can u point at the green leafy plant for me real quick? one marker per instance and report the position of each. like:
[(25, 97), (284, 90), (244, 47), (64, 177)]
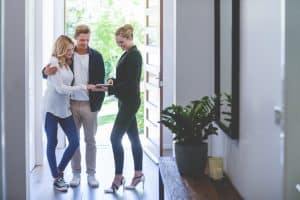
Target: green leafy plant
[(228, 114), (225, 115), (193, 123)]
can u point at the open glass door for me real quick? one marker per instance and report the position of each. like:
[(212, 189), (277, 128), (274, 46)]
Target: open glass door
[(153, 80)]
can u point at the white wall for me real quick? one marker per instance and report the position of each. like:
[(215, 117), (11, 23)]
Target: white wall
[(34, 56), (168, 62), (292, 99), (58, 18), (33, 81), (194, 73), (253, 162), (30, 82), (188, 53), (38, 62), (194, 53), (13, 70), (52, 27)]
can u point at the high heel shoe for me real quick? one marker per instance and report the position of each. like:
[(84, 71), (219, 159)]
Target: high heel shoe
[(114, 186), (135, 182)]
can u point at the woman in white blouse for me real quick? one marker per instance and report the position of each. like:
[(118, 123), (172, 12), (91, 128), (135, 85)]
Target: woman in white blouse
[(57, 107)]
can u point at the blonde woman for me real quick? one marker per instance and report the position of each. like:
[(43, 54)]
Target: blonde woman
[(126, 87), (57, 107), (88, 68)]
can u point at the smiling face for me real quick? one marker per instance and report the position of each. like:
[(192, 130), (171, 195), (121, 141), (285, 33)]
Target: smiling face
[(124, 42), (63, 49), (82, 41), (69, 51)]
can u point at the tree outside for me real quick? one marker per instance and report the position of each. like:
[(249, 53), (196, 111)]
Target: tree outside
[(104, 17)]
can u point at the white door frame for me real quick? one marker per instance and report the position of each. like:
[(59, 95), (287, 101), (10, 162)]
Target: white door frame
[(14, 124)]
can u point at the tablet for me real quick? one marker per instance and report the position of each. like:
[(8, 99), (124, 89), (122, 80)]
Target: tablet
[(103, 85)]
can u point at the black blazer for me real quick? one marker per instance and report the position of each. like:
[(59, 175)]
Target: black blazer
[(126, 85)]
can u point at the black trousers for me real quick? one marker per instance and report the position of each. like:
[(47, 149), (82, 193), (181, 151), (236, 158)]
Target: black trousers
[(126, 122)]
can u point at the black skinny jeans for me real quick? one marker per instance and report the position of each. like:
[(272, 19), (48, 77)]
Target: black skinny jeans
[(126, 122)]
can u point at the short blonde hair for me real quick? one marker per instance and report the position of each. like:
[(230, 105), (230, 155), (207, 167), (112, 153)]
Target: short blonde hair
[(60, 48), (82, 29), (125, 31)]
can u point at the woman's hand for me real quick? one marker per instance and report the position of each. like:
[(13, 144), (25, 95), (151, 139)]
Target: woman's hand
[(110, 81), (100, 89), (90, 86)]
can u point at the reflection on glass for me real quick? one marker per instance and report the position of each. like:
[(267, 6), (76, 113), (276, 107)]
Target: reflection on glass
[(225, 60)]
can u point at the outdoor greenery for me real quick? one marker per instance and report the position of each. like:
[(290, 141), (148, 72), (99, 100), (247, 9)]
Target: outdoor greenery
[(109, 118), (73, 19), (103, 23), (106, 119), (227, 115), (103, 27), (140, 115)]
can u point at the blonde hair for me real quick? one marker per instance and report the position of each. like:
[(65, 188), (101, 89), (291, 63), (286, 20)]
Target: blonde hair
[(125, 31), (81, 29), (60, 48)]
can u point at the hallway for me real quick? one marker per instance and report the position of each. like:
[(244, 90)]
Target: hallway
[(41, 180)]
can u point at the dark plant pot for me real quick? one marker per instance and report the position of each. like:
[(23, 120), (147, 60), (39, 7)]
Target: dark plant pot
[(191, 159)]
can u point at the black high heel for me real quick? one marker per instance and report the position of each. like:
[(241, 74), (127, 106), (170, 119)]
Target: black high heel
[(114, 187), (135, 182)]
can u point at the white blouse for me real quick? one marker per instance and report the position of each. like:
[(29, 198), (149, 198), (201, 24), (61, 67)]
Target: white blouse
[(59, 89)]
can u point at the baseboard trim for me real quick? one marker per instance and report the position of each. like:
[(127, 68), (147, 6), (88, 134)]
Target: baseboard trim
[(151, 155)]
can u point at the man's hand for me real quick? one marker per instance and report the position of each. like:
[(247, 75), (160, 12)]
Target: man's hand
[(50, 70)]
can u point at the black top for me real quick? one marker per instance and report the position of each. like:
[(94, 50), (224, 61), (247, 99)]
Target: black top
[(126, 85), (96, 75)]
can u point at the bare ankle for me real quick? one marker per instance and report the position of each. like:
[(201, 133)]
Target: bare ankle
[(118, 177), (138, 173)]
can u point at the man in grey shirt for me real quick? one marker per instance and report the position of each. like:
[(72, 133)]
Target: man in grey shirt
[(88, 68)]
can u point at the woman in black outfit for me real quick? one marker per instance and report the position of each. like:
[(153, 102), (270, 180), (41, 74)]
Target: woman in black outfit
[(126, 87)]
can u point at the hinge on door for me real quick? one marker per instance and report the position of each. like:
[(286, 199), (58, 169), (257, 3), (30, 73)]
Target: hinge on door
[(160, 83)]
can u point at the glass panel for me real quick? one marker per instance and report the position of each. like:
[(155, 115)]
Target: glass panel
[(225, 56), (227, 19), (152, 79), (153, 20), (152, 37), (153, 58), (152, 3)]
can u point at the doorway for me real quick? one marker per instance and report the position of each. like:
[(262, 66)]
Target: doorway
[(145, 16)]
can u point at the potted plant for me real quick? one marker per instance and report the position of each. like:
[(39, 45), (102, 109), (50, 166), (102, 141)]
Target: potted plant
[(191, 126)]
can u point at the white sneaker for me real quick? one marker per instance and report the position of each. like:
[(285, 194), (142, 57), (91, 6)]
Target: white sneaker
[(92, 181), (75, 180)]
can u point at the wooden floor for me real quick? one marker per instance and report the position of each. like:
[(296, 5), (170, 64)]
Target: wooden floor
[(41, 181), (174, 186), (205, 188)]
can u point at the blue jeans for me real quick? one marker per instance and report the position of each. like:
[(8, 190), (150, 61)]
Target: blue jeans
[(126, 122), (68, 126)]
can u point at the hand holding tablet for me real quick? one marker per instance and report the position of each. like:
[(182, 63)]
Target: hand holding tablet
[(99, 85)]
